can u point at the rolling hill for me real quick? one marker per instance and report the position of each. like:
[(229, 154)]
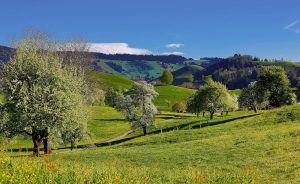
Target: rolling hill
[(235, 72), (242, 147)]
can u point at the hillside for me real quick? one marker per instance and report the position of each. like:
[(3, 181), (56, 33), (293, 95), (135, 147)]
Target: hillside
[(181, 75), (235, 72), (106, 81), (135, 69), (239, 148), (169, 95), (238, 71)]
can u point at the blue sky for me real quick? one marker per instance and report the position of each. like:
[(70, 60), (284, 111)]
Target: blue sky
[(195, 28)]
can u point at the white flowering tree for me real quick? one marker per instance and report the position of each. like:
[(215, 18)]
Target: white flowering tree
[(43, 99), (138, 107)]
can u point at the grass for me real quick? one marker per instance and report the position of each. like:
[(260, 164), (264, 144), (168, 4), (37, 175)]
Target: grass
[(239, 148), (109, 80), (235, 92), (171, 94), (136, 69)]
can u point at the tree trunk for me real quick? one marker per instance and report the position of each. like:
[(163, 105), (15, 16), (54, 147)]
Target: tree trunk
[(72, 145), (212, 115), (36, 147), (221, 113), (197, 114), (47, 147), (145, 130), (255, 109), (203, 114), (226, 113)]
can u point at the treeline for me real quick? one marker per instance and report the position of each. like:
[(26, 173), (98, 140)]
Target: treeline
[(7, 52), (238, 71), (171, 59)]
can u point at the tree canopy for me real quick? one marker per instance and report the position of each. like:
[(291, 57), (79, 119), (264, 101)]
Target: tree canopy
[(273, 80), (137, 105), (211, 97), (167, 76), (43, 99)]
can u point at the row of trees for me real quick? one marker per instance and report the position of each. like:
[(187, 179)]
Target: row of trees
[(272, 89)]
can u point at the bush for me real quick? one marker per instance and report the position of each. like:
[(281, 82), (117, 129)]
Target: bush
[(179, 107)]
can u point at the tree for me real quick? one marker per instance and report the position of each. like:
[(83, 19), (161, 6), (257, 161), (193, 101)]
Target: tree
[(273, 80), (167, 77), (232, 104), (112, 97), (211, 97), (42, 97), (290, 99), (138, 107), (190, 78), (179, 107), (252, 97)]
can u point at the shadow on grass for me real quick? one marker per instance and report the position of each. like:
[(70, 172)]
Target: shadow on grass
[(189, 125), (110, 119)]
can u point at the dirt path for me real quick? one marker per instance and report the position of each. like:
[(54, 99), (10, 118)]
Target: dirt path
[(120, 136)]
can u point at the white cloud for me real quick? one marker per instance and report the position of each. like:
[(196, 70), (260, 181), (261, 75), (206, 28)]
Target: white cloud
[(117, 48), (173, 53), (293, 27), (174, 45)]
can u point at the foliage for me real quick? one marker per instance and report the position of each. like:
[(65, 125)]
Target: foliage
[(291, 98), (42, 98), (112, 97), (167, 77), (273, 80), (179, 107), (138, 106), (190, 78), (252, 97), (211, 97)]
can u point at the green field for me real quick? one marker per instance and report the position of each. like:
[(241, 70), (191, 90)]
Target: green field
[(239, 148), (135, 69), (106, 81), (170, 95)]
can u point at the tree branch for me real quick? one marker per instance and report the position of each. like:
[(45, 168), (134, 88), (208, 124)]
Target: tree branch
[(24, 131)]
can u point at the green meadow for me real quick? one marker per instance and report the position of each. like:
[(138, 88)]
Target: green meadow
[(241, 147)]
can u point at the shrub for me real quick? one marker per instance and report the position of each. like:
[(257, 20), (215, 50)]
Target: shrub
[(179, 107)]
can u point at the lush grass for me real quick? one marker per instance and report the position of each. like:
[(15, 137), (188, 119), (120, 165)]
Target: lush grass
[(235, 92), (171, 94), (239, 148), (109, 80)]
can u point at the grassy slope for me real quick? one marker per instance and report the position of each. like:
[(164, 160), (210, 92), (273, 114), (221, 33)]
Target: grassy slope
[(171, 94), (132, 69), (109, 80), (240, 149)]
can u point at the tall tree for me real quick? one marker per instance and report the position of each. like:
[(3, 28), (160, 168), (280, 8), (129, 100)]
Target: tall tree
[(211, 97), (167, 77), (273, 80), (42, 97), (138, 106), (252, 97)]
